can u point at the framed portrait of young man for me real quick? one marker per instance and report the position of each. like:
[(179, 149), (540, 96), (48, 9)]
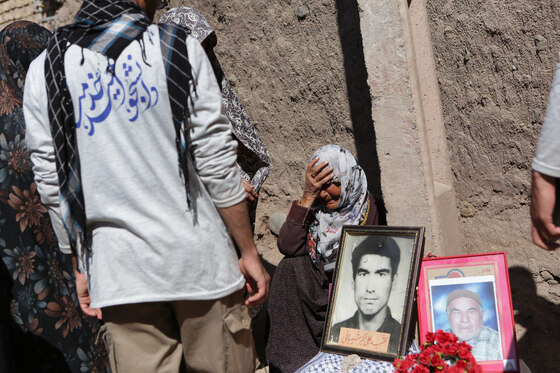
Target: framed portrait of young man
[(372, 293), (469, 296)]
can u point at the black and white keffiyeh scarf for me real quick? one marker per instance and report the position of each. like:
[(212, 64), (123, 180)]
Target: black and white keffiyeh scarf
[(106, 27), (253, 157)]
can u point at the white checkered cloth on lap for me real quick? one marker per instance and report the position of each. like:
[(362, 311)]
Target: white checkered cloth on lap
[(324, 362)]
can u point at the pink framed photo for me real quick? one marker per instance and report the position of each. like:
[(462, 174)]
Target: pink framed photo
[(470, 296)]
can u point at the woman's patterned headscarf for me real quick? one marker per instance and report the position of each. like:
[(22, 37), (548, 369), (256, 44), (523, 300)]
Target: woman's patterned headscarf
[(352, 209), (36, 279), (253, 157), (198, 25)]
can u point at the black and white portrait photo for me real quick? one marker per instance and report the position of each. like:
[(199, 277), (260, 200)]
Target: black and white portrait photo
[(369, 302)]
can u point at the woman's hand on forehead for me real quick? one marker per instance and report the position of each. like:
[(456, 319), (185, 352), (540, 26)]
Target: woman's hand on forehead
[(316, 176)]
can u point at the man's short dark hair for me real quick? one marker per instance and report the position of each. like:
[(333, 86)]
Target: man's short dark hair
[(377, 245)]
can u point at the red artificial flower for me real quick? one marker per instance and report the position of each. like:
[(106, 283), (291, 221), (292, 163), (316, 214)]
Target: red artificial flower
[(424, 357), (435, 360), (442, 365), (440, 349), (455, 369), (441, 336), (405, 364), (461, 364), (464, 351), (451, 349), (420, 369), (475, 368)]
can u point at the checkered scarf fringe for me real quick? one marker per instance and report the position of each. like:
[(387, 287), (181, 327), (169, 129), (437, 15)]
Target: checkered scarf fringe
[(89, 30), (242, 128)]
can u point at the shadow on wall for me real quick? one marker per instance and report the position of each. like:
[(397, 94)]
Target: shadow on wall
[(359, 97), (541, 319)]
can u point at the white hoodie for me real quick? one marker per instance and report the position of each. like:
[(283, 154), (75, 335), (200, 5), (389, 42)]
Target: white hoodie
[(146, 245)]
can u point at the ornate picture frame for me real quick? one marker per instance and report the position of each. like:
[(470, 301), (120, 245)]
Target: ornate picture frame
[(373, 288)]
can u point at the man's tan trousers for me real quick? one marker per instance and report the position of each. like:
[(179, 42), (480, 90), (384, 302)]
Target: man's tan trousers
[(213, 336)]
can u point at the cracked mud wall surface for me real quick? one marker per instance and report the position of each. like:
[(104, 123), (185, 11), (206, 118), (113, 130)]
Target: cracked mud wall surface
[(495, 61)]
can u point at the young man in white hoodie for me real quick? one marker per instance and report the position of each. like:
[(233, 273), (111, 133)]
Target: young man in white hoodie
[(136, 164)]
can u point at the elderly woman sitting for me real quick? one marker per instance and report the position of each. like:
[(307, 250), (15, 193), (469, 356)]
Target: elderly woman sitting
[(335, 194)]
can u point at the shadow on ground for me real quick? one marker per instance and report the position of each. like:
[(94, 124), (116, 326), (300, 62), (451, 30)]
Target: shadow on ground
[(541, 319)]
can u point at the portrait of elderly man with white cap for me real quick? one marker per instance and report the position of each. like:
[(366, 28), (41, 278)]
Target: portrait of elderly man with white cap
[(465, 314)]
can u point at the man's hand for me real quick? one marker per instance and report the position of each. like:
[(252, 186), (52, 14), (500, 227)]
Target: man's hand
[(237, 221), (83, 293), (543, 198), (257, 280), (250, 193)]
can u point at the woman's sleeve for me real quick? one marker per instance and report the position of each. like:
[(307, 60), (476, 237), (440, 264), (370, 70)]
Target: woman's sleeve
[(293, 234)]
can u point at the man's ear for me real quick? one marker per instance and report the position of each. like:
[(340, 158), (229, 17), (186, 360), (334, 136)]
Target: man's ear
[(394, 281)]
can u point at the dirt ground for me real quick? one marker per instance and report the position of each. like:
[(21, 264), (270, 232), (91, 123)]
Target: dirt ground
[(302, 82)]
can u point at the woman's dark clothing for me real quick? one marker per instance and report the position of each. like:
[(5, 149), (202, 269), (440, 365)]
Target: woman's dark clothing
[(41, 322), (299, 295)]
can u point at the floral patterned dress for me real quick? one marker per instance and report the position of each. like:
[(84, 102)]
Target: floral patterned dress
[(42, 328)]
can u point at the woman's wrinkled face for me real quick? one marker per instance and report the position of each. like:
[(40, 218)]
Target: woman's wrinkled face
[(330, 194)]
